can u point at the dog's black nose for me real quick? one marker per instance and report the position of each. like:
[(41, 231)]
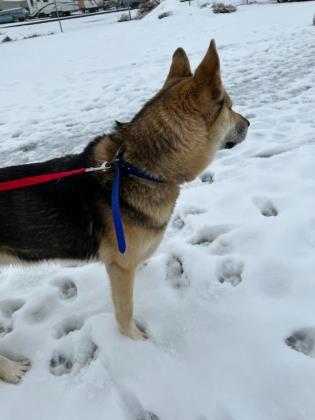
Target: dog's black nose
[(229, 145), (248, 123)]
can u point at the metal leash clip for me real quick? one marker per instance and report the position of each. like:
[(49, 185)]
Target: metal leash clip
[(105, 167)]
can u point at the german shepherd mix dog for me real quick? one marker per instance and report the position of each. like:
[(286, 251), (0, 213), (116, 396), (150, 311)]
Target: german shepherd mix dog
[(173, 138)]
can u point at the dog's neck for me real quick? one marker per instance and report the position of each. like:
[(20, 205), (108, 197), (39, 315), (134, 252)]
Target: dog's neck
[(161, 196), (149, 151), (149, 154)]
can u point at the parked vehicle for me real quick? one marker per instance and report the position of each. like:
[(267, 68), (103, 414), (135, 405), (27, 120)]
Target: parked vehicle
[(17, 14), (286, 1), (47, 8)]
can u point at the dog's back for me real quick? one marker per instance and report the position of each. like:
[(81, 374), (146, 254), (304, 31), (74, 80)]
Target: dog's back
[(59, 219)]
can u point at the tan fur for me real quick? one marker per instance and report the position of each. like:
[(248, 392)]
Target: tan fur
[(11, 371)]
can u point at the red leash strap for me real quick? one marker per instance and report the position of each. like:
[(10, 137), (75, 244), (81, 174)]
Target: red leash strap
[(38, 179), (41, 179)]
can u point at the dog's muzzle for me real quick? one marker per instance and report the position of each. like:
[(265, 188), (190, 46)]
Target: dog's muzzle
[(237, 135)]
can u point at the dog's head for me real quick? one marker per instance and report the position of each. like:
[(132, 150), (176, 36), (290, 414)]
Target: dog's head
[(191, 117)]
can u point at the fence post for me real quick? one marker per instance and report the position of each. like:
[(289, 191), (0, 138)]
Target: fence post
[(128, 3), (57, 12)]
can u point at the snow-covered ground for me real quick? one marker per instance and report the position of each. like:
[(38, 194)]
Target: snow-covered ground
[(229, 298)]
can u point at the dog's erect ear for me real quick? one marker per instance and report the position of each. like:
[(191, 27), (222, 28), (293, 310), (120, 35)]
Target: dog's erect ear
[(180, 67), (207, 82)]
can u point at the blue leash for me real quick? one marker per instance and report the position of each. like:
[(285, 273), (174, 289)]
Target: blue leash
[(121, 166)]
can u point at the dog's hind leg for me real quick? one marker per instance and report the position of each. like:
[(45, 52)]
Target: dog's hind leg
[(11, 371), (121, 280)]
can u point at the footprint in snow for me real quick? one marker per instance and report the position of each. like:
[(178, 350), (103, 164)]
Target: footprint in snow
[(67, 288), (9, 306), (229, 271), (40, 311), (208, 234), (303, 341), (152, 416), (68, 325), (5, 328), (207, 177), (62, 363), (179, 219), (132, 406), (147, 416), (266, 207), (175, 274), (265, 154), (27, 147)]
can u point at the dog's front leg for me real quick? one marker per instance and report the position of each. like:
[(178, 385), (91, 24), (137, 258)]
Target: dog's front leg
[(11, 371), (121, 280)]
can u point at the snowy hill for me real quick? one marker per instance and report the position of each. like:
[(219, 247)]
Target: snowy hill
[(228, 299)]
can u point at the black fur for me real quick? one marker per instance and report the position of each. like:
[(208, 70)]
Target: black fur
[(59, 219)]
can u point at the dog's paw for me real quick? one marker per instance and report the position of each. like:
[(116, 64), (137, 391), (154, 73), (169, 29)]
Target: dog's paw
[(13, 372), (136, 332)]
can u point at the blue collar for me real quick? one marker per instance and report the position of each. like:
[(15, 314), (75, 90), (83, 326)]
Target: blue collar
[(123, 167)]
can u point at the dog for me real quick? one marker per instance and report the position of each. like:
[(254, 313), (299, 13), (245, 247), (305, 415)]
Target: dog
[(173, 139)]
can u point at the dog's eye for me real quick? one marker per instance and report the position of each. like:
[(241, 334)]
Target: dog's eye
[(220, 102)]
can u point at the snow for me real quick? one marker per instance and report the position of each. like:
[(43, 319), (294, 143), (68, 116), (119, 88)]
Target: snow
[(228, 299)]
